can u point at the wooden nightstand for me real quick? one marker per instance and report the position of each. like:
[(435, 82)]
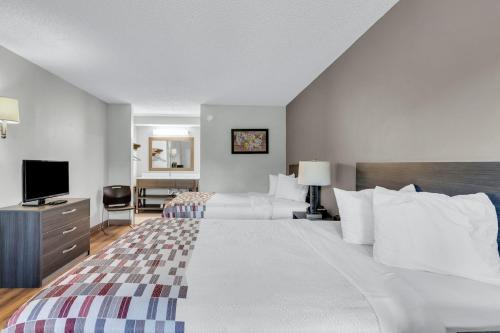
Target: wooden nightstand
[(302, 215)]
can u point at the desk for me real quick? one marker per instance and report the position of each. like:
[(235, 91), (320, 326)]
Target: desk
[(173, 182)]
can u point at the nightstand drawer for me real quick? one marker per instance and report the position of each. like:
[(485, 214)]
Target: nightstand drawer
[(63, 216), (64, 254), (66, 234)]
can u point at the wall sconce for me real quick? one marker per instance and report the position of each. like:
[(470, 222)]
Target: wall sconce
[(9, 114)]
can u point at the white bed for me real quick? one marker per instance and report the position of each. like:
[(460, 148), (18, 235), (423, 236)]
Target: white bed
[(239, 206), (251, 205), (297, 276)]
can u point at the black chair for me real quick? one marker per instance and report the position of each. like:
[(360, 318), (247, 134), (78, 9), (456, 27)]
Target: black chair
[(117, 198)]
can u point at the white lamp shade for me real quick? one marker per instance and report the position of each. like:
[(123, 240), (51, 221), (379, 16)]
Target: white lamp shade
[(9, 110), (316, 173)]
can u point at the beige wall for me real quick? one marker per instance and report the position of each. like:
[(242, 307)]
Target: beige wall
[(423, 84)]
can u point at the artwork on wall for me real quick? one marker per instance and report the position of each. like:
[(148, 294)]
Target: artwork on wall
[(250, 141)]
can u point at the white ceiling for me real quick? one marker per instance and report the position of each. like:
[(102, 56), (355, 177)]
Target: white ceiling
[(171, 56)]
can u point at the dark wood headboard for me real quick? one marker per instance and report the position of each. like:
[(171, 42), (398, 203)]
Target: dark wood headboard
[(451, 178)]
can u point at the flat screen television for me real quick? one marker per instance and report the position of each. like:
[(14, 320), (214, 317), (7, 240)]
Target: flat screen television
[(44, 179)]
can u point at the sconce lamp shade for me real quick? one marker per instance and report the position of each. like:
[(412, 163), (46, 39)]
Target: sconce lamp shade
[(314, 173), (9, 110)]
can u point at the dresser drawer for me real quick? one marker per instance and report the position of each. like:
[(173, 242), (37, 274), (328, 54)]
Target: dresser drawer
[(68, 233), (62, 217), (59, 257)]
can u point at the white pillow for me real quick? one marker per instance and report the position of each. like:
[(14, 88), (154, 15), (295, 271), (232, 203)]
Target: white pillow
[(356, 214), (437, 233), (288, 188), (273, 183)]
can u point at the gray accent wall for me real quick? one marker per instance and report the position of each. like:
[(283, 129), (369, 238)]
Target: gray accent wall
[(222, 171), (423, 84), (58, 122)]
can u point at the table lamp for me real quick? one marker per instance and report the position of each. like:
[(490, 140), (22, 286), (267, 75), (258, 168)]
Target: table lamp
[(9, 114), (314, 174)]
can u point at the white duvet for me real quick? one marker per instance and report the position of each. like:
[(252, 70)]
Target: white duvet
[(294, 276), (251, 205)]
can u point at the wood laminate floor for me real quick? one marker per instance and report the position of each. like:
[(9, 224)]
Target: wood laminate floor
[(12, 299)]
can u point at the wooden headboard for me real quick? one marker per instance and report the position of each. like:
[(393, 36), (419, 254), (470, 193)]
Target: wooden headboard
[(451, 178)]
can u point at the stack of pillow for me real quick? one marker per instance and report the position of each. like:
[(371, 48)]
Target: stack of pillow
[(286, 187), (424, 231)]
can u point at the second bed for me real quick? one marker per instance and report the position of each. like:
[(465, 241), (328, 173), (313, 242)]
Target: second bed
[(249, 205)]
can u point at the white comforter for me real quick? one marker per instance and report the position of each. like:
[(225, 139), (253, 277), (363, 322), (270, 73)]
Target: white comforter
[(251, 205), (293, 276)]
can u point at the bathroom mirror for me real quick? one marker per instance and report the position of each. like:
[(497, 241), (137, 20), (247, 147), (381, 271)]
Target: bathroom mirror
[(171, 154)]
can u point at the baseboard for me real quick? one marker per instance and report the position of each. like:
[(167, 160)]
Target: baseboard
[(96, 228)]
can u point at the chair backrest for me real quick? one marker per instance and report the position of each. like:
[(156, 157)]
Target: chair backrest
[(116, 195)]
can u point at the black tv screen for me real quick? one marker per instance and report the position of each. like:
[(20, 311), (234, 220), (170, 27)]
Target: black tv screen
[(44, 179)]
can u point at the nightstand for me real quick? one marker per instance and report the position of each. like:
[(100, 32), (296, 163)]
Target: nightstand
[(302, 215)]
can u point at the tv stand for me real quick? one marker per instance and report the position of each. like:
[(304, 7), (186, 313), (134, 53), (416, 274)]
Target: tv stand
[(37, 241)]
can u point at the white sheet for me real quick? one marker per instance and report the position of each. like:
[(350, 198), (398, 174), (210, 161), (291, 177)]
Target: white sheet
[(251, 205), (237, 199), (239, 212), (293, 276), (461, 304), (259, 276)]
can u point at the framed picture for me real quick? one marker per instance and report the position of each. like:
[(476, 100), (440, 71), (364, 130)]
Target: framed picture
[(250, 141)]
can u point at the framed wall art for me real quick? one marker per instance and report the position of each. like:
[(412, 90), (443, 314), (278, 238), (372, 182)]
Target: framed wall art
[(250, 141)]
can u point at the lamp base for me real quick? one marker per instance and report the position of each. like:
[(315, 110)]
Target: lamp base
[(314, 199), (314, 216)]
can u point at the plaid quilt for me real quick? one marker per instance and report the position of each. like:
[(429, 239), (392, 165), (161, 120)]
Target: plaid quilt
[(131, 286), (187, 205)]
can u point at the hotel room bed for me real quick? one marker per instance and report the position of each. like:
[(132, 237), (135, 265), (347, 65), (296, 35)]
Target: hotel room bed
[(176, 275), (249, 205)]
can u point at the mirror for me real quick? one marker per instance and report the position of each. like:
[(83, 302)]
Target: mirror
[(171, 154)]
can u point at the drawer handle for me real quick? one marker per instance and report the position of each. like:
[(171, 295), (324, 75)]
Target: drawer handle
[(69, 230), (69, 250), (69, 211)]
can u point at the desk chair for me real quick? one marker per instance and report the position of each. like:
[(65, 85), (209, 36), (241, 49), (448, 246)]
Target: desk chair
[(117, 198)]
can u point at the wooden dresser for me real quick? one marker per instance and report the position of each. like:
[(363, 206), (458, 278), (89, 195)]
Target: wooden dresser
[(36, 241)]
